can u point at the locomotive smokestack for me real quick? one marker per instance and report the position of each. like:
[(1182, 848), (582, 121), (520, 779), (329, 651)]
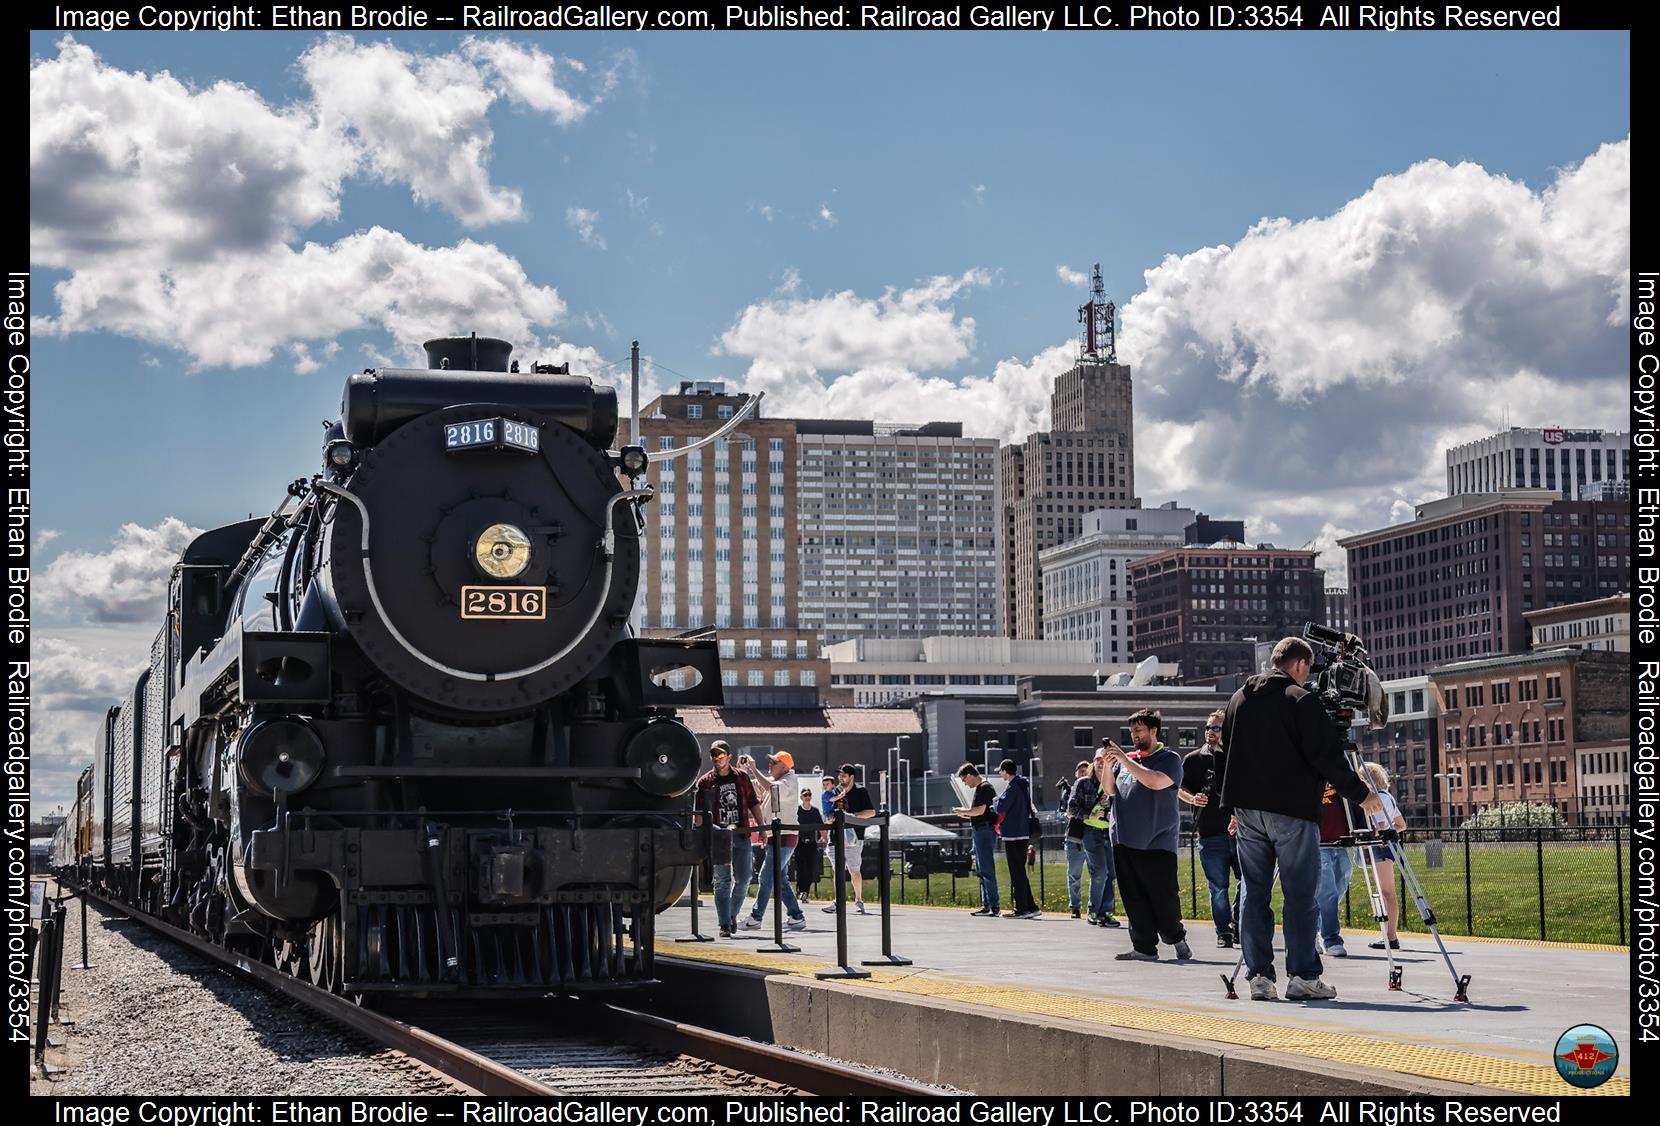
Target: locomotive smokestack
[(468, 353)]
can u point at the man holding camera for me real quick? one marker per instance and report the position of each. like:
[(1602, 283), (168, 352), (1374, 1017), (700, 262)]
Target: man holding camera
[(1281, 748), (1145, 826)]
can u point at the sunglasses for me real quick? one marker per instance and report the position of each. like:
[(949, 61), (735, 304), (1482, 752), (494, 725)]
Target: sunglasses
[(1211, 728)]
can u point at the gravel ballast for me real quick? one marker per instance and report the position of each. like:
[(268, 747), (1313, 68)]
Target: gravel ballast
[(153, 1019)]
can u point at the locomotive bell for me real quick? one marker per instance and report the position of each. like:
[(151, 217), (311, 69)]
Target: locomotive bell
[(502, 551)]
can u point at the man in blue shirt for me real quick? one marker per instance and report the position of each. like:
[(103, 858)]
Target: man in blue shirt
[(1144, 830)]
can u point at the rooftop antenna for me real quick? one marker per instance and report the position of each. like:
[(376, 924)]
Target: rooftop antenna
[(1097, 316)]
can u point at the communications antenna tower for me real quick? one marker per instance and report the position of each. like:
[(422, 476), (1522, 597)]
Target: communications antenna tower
[(1097, 316)]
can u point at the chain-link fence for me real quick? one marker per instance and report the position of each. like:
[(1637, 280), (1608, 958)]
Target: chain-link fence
[(1561, 884)]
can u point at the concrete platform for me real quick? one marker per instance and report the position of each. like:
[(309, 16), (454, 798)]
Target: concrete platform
[(1006, 1006)]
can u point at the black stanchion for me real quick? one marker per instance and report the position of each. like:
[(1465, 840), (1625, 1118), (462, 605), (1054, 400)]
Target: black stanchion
[(86, 963), (62, 914), (883, 875), (45, 944), (696, 935), (774, 853), (842, 969)]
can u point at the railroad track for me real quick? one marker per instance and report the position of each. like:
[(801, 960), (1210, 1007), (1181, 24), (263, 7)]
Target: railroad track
[(509, 1048)]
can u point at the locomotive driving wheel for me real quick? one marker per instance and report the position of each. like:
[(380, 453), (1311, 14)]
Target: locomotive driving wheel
[(323, 954)]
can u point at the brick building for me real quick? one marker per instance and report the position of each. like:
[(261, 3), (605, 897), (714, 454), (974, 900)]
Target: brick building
[(1516, 728), (1455, 582), (1206, 608), (1409, 748)]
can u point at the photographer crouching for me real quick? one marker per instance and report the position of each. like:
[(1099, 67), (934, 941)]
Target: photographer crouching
[(1281, 748)]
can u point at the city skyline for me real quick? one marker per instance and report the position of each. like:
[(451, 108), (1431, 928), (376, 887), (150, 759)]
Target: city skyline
[(219, 236)]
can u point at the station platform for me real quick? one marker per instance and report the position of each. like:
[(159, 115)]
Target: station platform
[(1079, 1022)]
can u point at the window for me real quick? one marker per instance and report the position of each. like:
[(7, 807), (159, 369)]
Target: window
[(752, 649), (1083, 736), (728, 649), (665, 443), (757, 678), (781, 678), (723, 412), (694, 410), (809, 678)]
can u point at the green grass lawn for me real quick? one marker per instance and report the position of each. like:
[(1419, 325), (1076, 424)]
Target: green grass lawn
[(1581, 896)]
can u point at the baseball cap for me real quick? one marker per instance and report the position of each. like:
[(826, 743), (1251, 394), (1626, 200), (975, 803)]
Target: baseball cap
[(848, 768), (784, 757), (719, 747)]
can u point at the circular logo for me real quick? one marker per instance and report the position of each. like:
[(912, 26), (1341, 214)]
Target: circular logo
[(1586, 1055)]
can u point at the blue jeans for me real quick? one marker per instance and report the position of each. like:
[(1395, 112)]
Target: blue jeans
[(1266, 839), (985, 864), (1098, 851), (785, 891), (1218, 855), (732, 883), (1074, 873), (1335, 869)]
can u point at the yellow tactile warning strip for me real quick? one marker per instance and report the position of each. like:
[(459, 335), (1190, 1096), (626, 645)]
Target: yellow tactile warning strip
[(1428, 1060), (1536, 943)]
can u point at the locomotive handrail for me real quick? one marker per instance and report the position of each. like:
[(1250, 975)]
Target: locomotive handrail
[(742, 413), (608, 544)]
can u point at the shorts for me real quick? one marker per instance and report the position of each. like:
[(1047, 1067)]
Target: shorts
[(853, 848), (1381, 853)]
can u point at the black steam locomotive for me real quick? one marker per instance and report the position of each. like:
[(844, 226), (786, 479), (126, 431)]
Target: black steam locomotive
[(399, 735)]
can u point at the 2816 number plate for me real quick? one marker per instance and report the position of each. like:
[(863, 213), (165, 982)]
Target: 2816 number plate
[(505, 603)]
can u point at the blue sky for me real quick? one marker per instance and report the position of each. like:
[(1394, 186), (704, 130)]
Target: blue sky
[(875, 223)]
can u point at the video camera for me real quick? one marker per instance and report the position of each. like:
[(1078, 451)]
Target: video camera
[(1343, 680)]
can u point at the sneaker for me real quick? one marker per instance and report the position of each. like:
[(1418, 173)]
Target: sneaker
[(830, 910), (726, 932), (983, 911), (1336, 950), (1309, 989), (1262, 988), (1110, 921), (1095, 920), (1183, 951), (799, 923), (1076, 914), (1136, 956), (750, 923), (1224, 939), (861, 906), (1394, 944)]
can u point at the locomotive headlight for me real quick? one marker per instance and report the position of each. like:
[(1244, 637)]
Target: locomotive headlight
[(502, 551), (340, 454)]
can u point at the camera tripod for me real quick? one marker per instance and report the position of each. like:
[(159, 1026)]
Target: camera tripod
[(1364, 839)]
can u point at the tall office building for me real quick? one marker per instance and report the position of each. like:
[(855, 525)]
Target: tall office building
[(1455, 583), (1565, 461), (1086, 581), (791, 532), (1084, 461), (897, 530)]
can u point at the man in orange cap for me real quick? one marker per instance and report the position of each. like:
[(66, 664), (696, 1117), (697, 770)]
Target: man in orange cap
[(779, 793)]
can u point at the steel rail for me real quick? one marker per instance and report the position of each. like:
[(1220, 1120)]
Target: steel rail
[(481, 1074), (794, 1069)]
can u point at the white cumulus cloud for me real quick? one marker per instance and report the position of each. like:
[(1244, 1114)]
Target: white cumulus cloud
[(1070, 276), (180, 212), (127, 583)]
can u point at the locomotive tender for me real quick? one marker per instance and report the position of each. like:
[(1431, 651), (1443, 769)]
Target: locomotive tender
[(399, 735)]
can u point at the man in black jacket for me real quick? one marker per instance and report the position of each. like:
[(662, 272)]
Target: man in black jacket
[(1281, 750)]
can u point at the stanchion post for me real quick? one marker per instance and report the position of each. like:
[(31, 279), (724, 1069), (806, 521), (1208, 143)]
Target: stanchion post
[(57, 966), (775, 851), (86, 963), (47, 941), (696, 935), (842, 970), (883, 875)]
